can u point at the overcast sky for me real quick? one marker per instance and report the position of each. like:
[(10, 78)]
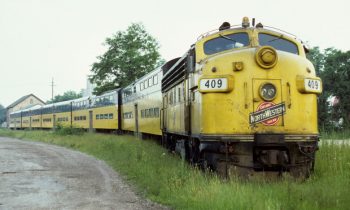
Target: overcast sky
[(60, 39)]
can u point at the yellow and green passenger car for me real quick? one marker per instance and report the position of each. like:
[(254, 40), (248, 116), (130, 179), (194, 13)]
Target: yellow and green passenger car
[(104, 111), (36, 117), (47, 119), (141, 104), (80, 113), (62, 113), (15, 120)]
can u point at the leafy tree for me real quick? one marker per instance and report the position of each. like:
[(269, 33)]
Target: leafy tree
[(317, 59), (68, 95), (130, 55), (337, 76), (333, 66), (2, 114)]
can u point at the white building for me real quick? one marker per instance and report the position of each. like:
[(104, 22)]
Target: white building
[(89, 88)]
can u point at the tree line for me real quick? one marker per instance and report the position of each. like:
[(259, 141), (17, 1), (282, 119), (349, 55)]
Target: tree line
[(66, 96)]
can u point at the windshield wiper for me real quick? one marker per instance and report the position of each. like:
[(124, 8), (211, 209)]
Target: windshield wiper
[(278, 38), (228, 38)]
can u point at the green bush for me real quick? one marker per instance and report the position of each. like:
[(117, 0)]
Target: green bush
[(68, 130)]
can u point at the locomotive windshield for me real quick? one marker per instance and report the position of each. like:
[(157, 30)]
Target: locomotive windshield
[(278, 43), (226, 42)]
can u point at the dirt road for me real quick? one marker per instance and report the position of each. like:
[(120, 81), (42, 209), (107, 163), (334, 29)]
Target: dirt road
[(40, 176)]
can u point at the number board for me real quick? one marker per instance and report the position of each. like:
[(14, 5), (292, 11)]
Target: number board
[(213, 84), (312, 85)]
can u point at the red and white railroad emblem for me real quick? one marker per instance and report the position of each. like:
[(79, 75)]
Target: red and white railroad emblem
[(263, 106), (267, 113)]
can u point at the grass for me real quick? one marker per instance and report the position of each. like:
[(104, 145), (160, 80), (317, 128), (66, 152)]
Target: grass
[(164, 178), (334, 134)]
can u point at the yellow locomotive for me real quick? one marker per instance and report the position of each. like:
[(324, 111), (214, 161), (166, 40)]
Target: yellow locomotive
[(242, 100)]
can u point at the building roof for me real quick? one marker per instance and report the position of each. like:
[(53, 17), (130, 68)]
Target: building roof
[(22, 99)]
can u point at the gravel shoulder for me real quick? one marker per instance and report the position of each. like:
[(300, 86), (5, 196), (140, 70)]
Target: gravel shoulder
[(40, 176)]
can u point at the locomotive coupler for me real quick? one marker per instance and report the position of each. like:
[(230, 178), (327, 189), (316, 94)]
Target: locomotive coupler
[(270, 152)]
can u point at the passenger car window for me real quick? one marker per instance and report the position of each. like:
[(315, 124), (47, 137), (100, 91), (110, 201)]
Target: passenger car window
[(278, 42), (226, 42), (155, 79)]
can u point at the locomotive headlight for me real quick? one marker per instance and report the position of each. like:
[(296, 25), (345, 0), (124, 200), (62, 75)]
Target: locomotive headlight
[(267, 91), (266, 57)]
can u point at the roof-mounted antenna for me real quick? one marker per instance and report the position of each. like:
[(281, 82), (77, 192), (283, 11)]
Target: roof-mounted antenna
[(259, 25)]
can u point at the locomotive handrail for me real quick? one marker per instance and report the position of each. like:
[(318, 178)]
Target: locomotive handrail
[(160, 119), (203, 35), (215, 31), (280, 30)]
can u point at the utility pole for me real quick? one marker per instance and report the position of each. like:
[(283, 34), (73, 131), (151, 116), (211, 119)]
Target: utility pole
[(53, 108), (52, 85)]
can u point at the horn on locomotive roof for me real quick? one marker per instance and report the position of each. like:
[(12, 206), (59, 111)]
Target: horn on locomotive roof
[(224, 26), (245, 22), (259, 25)]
